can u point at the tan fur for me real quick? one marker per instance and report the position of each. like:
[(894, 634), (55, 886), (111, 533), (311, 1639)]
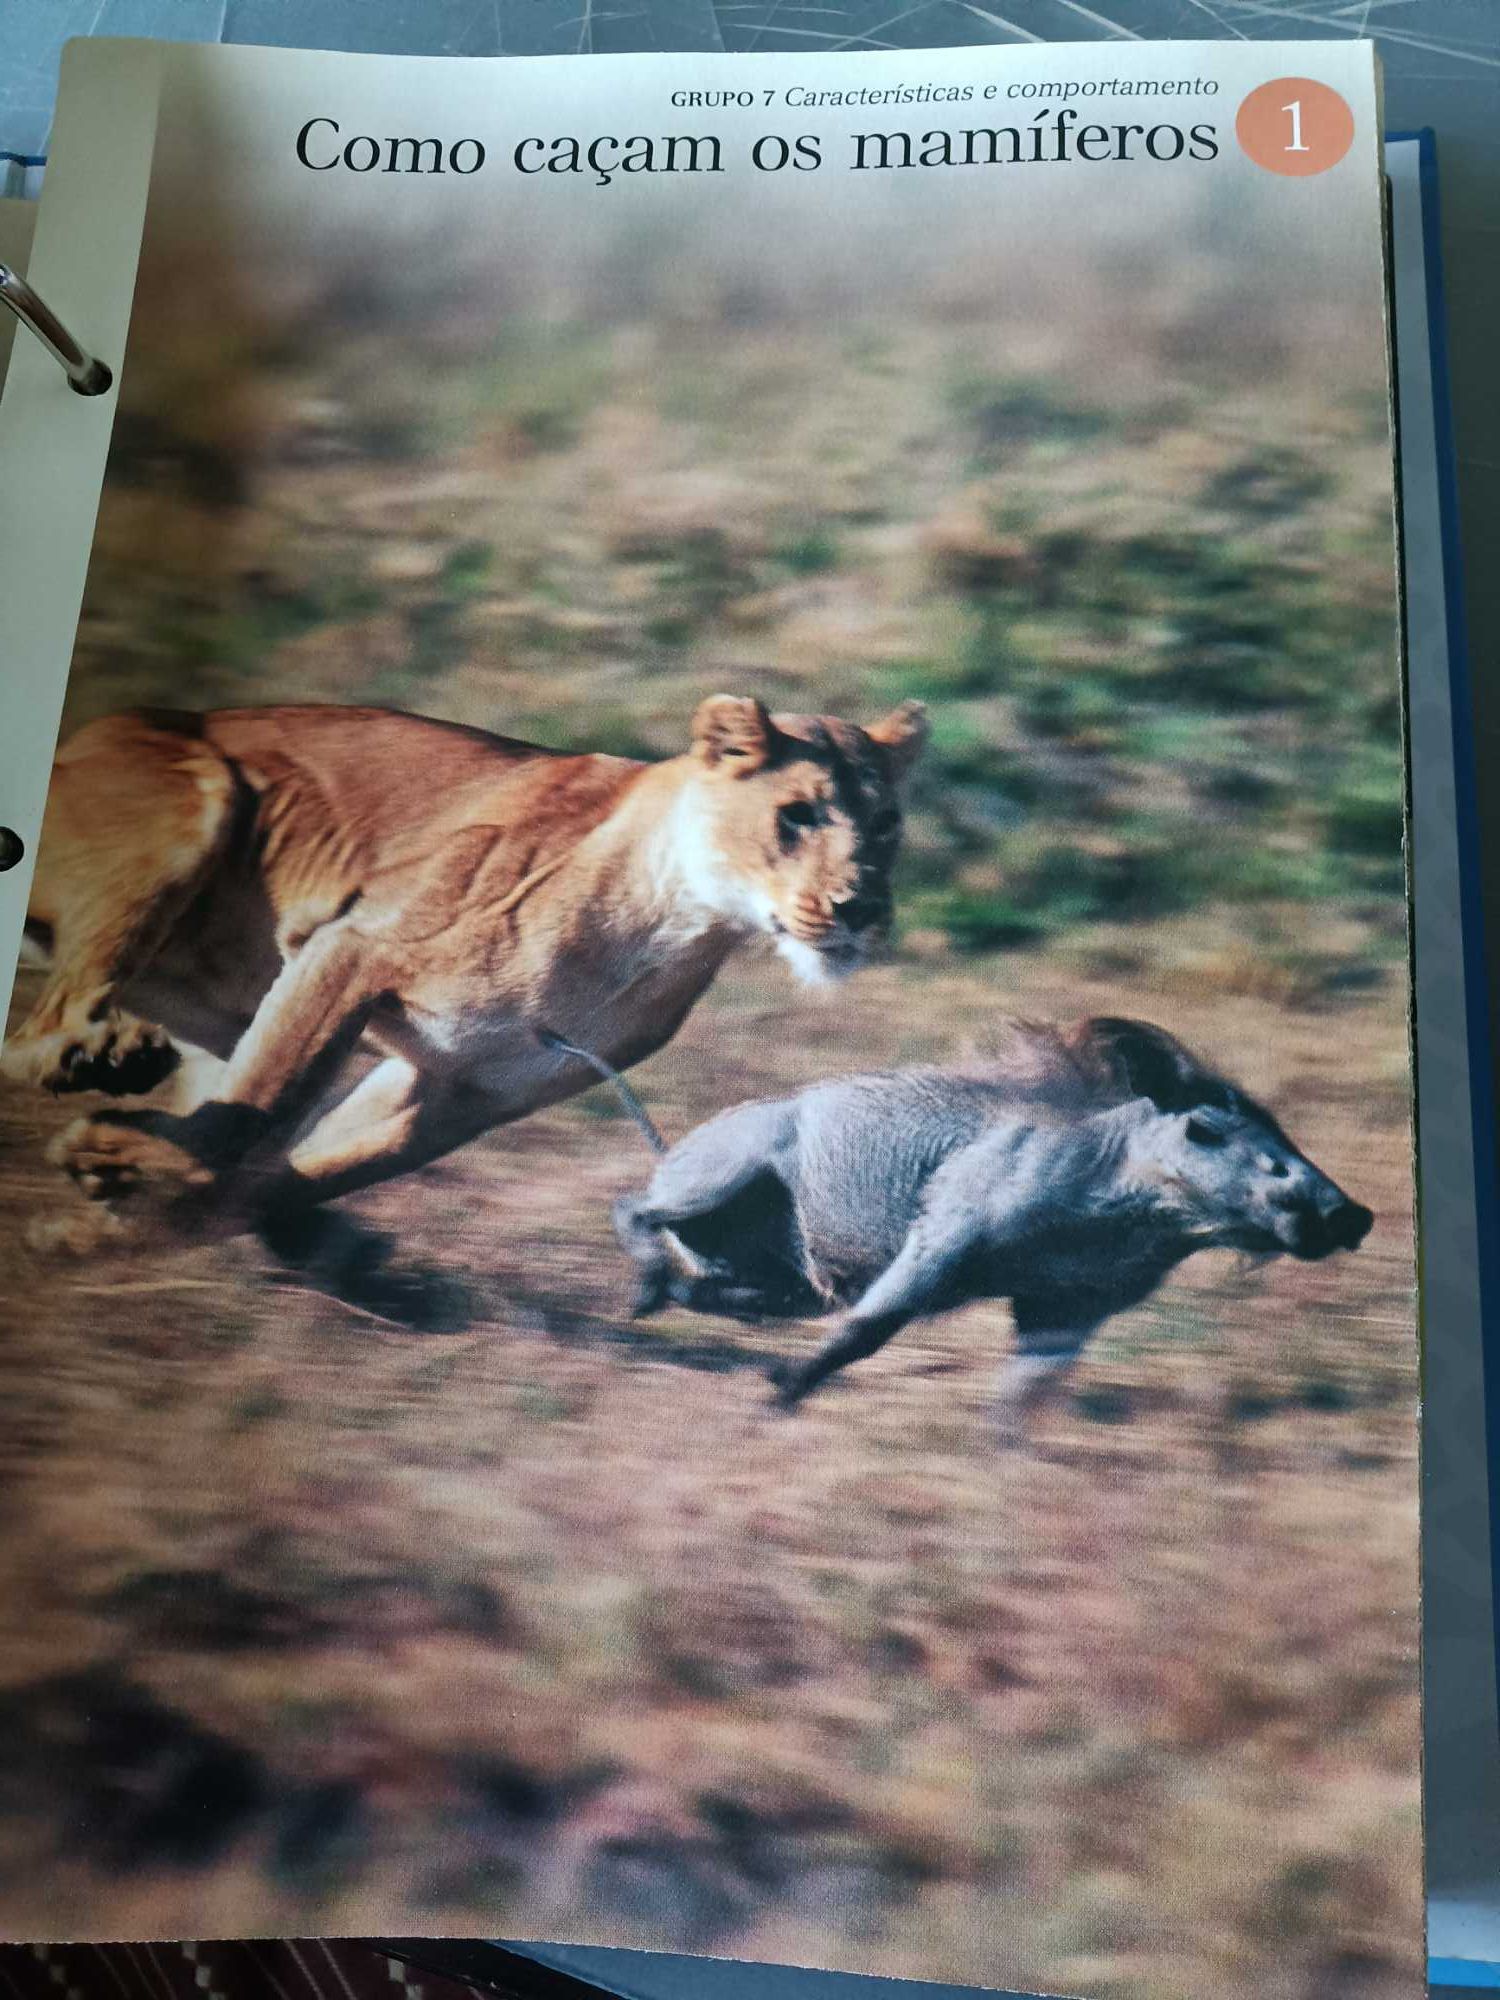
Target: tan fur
[(285, 887)]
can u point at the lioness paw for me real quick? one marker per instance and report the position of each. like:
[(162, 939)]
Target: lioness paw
[(118, 1055), (108, 1160)]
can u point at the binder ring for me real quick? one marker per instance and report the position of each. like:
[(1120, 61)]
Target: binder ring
[(90, 377)]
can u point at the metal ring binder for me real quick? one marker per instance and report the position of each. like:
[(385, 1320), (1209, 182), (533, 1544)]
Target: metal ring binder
[(86, 374)]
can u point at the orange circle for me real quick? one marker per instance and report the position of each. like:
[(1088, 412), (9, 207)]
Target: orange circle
[(1293, 125)]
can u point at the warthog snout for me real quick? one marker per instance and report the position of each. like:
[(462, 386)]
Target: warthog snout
[(1323, 1219)]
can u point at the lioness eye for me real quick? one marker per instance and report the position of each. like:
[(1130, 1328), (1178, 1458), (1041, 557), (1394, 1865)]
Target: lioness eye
[(795, 818), (1201, 1133)]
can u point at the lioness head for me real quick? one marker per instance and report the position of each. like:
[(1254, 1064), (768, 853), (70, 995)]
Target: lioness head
[(796, 823)]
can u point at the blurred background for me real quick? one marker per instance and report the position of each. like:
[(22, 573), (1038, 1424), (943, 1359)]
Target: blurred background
[(1119, 511)]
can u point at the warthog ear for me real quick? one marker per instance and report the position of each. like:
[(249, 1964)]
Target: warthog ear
[(1146, 1061), (735, 731), (902, 732)]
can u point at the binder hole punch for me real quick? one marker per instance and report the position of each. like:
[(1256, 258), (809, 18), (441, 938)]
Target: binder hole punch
[(12, 847), (86, 374)]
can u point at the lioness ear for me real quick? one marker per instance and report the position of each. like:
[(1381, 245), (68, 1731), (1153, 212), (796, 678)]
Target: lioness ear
[(1145, 1061), (735, 731), (902, 732)]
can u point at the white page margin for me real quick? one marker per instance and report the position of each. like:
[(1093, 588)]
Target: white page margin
[(53, 442)]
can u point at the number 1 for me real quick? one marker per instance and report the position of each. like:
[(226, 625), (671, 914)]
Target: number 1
[(1295, 108)]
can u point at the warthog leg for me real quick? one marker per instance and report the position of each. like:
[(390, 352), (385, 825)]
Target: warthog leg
[(1049, 1339), (1025, 1382), (700, 1174), (918, 1281)]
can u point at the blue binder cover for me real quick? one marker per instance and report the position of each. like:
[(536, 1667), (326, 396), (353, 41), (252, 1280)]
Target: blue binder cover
[(1461, 1246)]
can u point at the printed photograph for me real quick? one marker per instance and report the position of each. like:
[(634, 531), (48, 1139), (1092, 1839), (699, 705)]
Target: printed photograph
[(705, 1148)]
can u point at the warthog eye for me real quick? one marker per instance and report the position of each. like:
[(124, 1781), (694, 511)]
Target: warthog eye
[(793, 821), (1201, 1133)]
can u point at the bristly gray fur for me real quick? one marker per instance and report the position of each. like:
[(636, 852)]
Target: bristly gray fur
[(1068, 1170)]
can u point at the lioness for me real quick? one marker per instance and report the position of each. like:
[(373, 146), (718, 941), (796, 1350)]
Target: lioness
[(279, 886)]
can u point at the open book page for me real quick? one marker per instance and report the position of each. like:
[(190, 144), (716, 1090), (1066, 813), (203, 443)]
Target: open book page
[(707, 1135)]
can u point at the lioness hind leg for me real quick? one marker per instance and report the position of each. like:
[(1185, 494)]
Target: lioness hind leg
[(135, 815)]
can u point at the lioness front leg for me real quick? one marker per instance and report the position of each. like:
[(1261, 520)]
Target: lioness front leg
[(304, 1027), (397, 1118)]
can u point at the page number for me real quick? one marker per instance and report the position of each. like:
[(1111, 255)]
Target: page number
[(1295, 126)]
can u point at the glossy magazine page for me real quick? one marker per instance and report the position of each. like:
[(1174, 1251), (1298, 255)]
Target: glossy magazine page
[(706, 1177)]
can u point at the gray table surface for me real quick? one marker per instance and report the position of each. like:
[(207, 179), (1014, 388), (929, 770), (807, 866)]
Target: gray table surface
[(1442, 70)]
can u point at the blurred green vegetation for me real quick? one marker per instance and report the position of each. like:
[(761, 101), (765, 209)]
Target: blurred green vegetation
[(1155, 626)]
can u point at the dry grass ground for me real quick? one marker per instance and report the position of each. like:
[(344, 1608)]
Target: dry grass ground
[(551, 1626)]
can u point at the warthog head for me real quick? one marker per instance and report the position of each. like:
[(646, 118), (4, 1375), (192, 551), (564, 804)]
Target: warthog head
[(1220, 1158)]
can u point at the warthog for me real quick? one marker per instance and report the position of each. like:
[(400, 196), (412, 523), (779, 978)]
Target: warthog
[(1069, 1175)]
